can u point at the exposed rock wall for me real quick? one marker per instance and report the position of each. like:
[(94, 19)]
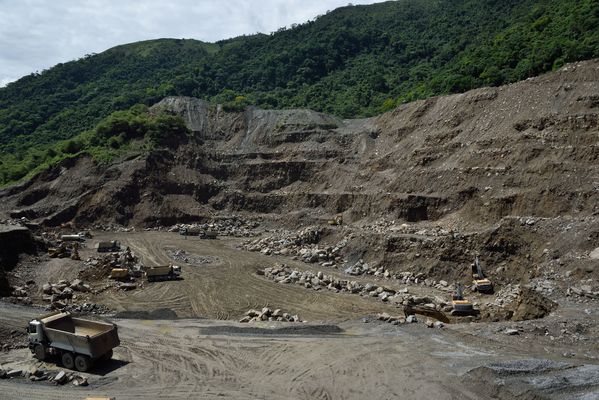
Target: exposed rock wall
[(525, 149), (14, 240)]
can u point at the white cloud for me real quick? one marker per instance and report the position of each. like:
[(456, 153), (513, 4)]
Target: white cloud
[(37, 34)]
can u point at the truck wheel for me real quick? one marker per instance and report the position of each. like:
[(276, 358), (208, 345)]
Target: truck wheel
[(40, 352), (67, 360), (82, 363)]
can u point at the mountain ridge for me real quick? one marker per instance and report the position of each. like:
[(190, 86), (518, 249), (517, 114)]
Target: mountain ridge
[(352, 62)]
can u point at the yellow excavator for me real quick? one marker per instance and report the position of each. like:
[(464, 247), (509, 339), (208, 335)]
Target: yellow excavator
[(338, 220), (461, 306), (426, 311), (479, 282)]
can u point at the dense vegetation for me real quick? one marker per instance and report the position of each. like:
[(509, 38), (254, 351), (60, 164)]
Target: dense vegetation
[(354, 61), (121, 132)]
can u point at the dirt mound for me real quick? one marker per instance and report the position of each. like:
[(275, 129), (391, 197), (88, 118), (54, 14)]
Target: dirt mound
[(530, 304), (481, 155)]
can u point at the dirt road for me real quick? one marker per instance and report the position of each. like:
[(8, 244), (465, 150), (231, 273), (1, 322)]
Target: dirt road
[(193, 359), (335, 356), (227, 289)]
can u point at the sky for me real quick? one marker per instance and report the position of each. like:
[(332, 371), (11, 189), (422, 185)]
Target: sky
[(37, 34)]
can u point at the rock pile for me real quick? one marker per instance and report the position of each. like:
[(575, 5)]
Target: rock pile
[(20, 294), (35, 374), (361, 268), (236, 227), (320, 281), (192, 259), (269, 315), (584, 290), (57, 294), (519, 303), (410, 319), (302, 245)]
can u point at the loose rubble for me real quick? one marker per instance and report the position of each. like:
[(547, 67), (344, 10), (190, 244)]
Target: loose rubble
[(268, 314), (320, 281), (235, 227), (302, 245), (192, 259), (64, 294), (35, 374)]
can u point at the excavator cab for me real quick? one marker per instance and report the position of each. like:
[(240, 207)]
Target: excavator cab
[(480, 283), (460, 305)]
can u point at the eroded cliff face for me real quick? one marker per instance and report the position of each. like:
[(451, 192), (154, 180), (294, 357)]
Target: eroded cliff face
[(530, 148), (14, 240)]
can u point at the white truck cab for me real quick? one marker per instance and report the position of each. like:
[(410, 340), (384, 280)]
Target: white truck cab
[(35, 332)]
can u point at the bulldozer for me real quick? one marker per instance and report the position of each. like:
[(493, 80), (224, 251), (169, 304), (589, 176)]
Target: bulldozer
[(461, 306), (479, 282)]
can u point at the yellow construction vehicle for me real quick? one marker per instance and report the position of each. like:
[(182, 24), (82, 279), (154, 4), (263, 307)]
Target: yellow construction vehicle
[(426, 311), (338, 220), (461, 306), (479, 282), (62, 251), (119, 273)]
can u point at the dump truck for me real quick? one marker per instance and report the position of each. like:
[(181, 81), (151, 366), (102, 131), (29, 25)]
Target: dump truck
[(479, 282), (79, 343), (163, 273), (106, 247), (73, 238)]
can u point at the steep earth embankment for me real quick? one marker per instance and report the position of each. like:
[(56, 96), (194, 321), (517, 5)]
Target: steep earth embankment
[(14, 240), (530, 148)]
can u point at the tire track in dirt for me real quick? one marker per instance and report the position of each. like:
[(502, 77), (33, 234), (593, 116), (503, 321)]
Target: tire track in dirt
[(228, 289)]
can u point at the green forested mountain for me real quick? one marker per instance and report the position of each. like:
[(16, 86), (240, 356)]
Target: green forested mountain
[(354, 61)]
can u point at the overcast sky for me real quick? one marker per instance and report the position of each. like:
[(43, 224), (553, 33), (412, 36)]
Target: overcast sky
[(37, 34)]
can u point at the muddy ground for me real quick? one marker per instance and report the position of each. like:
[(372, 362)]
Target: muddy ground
[(342, 352)]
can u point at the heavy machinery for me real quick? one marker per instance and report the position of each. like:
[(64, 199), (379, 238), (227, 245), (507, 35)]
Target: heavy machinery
[(78, 342), (338, 220), (119, 273), (426, 311), (106, 247), (480, 283), (191, 231), (80, 237), (163, 273), (62, 251), (460, 305)]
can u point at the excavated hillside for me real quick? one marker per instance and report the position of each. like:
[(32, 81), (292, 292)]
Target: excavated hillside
[(530, 148)]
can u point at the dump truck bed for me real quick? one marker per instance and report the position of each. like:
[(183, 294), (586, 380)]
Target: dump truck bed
[(158, 270), (79, 335)]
